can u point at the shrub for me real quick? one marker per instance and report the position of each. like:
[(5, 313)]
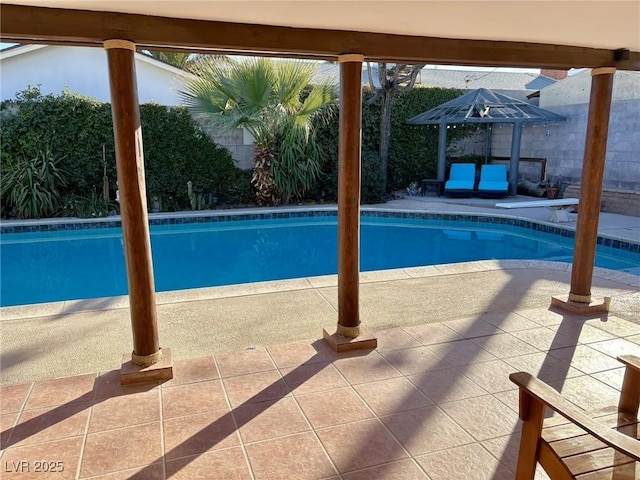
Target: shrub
[(413, 152), (31, 185), (79, 129)]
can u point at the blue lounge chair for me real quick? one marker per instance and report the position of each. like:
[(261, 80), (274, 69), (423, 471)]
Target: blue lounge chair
[(493, 181), (462, 178)]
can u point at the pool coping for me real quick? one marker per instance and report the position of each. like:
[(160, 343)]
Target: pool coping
[(68, 307), (214, 216)]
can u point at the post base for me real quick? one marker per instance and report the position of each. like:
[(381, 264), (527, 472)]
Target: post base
[(340, 344), (130, 373), (595, 305)]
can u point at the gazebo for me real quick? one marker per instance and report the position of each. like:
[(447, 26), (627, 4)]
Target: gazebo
[(485, 106)]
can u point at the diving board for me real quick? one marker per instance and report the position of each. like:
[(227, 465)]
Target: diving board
[(558, 205), (558, 202)]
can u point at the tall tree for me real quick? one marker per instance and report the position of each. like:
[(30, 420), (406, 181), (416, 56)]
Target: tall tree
[(392, 78), (274, 101), (177, 59)]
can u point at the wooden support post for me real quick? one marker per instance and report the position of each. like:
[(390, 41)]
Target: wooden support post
[(590, 194), (348, 329), (442, 152), (133, 207), (516, 140)]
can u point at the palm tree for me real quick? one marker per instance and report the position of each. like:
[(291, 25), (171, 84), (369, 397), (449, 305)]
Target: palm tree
[(274, 102)]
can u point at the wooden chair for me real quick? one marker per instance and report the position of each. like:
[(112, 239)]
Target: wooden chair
[(600, 446)]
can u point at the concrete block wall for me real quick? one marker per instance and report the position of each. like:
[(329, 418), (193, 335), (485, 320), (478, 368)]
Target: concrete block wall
[(563, 145), (613, 201), (237, 142)]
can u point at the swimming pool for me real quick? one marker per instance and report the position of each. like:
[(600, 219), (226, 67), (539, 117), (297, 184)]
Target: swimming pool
[(80, 262)]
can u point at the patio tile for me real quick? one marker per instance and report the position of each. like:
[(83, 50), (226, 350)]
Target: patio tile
[(391, 396), (266, 420), (402, 470), (66, 451), (426, 430), (120, 449), (192, 398), (483, 417), (193, 370), (509, 322), (242, 363), (394, 339), (543, 366), (278, 458), (504, 345), (229, 464), (199, 433), (511, 398), (580, 332), (333, 407), (585, 358), (635, 339), (616, 326), (367, 367), (295, 354), (471, 462), (254, 388), (446, 385), (461, 352), (492, 376), (125, 410), (107, 385), (51, 423), (359, 445), (613, 377), (505, 449), (316, 377), (432, 333), (155, 471), (547, 317), (473, 327), (13, 397), (544, 339), (586, 392), (616, 347), (7, 421), (48, 393), (415, 360)]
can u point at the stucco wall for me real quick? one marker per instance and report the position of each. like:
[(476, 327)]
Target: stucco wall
[(83, 70)]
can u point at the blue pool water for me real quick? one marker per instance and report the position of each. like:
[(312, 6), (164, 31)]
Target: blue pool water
[(79, 264)]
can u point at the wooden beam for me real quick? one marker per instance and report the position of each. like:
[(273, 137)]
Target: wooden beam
[(591, 184), (25, 24)]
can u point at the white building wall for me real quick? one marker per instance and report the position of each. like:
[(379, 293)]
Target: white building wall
[(82, 70)]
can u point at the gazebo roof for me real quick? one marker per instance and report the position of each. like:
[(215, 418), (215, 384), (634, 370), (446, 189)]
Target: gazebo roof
[(485, 106)]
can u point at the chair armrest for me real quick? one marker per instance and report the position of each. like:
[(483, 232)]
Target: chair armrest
[(552, 399), (630, 361)]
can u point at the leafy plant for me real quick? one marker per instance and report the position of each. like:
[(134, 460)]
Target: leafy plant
[(274, 102), (31, 185), (80, 130), (85, 207)]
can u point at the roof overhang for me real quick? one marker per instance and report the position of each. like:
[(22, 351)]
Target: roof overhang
[(565, 35)]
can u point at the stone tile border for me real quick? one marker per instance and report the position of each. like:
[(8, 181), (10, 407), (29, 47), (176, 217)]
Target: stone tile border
[(182, 218)]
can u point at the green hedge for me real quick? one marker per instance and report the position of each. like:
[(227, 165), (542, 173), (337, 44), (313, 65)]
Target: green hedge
[(76, 128), (413, 152)]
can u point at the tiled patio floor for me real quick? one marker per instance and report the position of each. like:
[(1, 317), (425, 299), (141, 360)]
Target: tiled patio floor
[(432, 402)]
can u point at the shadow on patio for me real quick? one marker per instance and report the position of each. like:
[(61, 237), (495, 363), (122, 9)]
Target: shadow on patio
[(433, 402)]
